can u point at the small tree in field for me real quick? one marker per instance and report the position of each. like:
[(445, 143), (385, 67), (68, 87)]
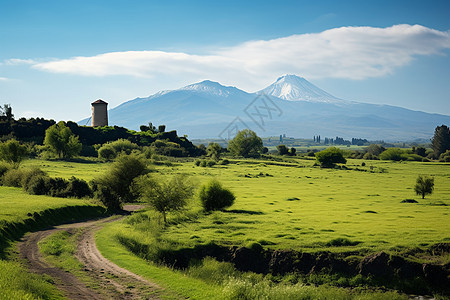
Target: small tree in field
[(166, 196), (246, 143), (215, 197), (329, 157), (13, 152), (60, 139), (214, 150), (424, 185), (115, 186)]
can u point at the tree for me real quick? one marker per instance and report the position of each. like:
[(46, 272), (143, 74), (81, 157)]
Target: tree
[(60, 139), (214, 150), (375, 149), (282, 150), (6, 112), (329, 157), (246, 143), (441, 140), (161, 128), (166, 196), (116, 186), (424, 185), (292, 151), (215, 197), (13, 152)]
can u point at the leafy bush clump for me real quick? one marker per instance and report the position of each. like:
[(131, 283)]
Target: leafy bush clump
[(329, 157), (110, 150), (215, 197), (115, 187), (394, 154)]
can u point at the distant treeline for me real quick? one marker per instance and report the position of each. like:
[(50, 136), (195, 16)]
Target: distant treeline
[(33, 131)]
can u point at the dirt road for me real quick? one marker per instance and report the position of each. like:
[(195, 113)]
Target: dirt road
[(109, 281)]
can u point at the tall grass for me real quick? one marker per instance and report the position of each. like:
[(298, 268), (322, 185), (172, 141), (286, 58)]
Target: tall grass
[(17, 284)]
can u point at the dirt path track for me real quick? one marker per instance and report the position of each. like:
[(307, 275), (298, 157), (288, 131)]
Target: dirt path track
[(109, 280)]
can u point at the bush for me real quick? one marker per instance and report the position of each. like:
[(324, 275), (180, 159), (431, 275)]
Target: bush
[(78, 188), (38, 185), (107, 153), (329, 157), (445, 157), (13, 152), (117, 182), (210, 163), (13, 178), (4, 167), (197, 162), (394, 154), (215, 197), (225, 162), (110, 150), (107, 197)]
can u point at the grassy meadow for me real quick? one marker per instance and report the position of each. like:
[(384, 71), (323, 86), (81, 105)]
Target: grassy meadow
[(298, 206), (17, 212), (281, 204), (292, 205)]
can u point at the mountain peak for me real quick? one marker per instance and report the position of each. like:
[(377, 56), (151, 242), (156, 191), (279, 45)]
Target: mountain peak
[(295, 88), (210, 87)]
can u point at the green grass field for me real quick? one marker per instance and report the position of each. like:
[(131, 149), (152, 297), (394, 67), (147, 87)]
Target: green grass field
[(288, 204), (305, 207), (16, 206)]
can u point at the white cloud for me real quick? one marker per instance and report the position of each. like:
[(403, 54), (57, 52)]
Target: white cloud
[(18, 61), (345, 52), (3, 79)]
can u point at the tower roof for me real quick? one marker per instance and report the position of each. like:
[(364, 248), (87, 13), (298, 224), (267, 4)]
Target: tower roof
[(99, 101)]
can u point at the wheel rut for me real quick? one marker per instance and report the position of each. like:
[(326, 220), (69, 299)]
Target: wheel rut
[(108, 281)]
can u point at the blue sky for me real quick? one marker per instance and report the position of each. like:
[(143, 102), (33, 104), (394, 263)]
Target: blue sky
[(58, 56)]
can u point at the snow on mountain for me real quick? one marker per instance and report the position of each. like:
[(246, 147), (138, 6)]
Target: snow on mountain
[(211, 88), (294, 88), (209, 110)]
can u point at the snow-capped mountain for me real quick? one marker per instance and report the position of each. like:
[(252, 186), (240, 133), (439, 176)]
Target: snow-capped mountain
[(291, 106), (295, 88)]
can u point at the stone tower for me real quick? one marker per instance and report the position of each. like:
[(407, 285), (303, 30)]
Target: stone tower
[(99, 113)]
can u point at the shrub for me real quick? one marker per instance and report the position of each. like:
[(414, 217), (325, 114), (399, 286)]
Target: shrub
[(117, 182), (38, 185), (78, 188), (13, 178), (107, 153), (210, 163), (13, 152), (329, 157), (4, 167), (108, 198), (110, 150), (370, 156), (225, 162), (197, 162), (203, 163), (215, 197), (445, 157), (394, 154)]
